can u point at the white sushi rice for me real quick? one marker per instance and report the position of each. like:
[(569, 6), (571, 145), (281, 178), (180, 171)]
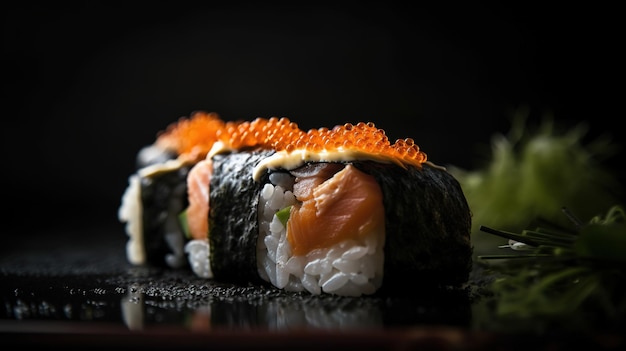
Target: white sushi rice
[(199, 256), (130, 212), (349, 268)]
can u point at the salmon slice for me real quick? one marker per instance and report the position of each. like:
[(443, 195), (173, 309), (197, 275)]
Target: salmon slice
[(347, 205), (310, 176), (198, 181)]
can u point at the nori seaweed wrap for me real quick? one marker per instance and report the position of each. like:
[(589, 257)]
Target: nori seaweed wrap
[(233, 222), (151, 205), (427, 221)]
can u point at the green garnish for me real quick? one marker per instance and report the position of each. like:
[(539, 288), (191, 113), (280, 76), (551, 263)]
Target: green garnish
[(283, 215), (184, 225), (604, 238), (532, 172), (600, 239), (566, 270), (562, 272)]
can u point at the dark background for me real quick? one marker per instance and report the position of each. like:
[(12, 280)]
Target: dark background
[(87, 85)]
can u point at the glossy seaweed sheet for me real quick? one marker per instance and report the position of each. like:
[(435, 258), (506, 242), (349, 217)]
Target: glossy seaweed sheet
[(427, 225), (159, 193), (233, 215)]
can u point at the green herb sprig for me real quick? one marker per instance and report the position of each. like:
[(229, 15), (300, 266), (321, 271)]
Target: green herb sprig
[(575, 274)]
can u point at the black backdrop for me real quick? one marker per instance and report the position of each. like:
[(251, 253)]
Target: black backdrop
[(86, 85)]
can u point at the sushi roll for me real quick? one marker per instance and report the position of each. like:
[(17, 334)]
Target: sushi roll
[(157, 192), (329, 211)]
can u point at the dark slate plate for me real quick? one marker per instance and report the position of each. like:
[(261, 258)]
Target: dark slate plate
[(75, 288)]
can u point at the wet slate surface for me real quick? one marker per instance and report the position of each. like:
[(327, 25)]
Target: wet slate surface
[(76, 288)]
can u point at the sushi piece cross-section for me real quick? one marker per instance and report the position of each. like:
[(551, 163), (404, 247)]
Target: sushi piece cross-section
[(327, 211)]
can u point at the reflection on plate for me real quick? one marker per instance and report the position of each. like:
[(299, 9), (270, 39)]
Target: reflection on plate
[(82, 291), (147, 297)]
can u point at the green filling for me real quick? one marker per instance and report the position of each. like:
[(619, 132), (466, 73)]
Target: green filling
[(283, 215), (184, 225)]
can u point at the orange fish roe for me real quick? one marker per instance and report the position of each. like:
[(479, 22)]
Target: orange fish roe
[(192, 137), (195, 137)]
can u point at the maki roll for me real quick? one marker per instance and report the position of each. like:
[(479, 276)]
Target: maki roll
[(157, 191), (328, 211)]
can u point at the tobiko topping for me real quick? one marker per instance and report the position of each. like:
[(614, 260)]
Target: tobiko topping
[(194, 137)]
